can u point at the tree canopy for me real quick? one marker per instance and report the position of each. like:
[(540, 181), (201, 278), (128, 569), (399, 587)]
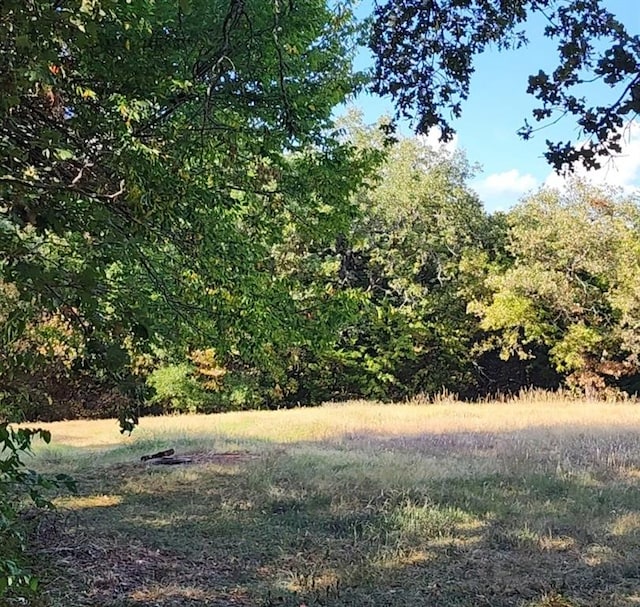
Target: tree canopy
[(152, 154), (575, 296), (425, 52), (173, 187)]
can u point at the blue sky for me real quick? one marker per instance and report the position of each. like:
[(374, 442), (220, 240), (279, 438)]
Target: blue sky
[(497, 107)]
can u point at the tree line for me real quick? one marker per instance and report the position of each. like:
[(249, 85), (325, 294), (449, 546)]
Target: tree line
[(185, 226), (418, 291)]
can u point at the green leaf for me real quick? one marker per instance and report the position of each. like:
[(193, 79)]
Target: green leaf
[(62, 154), (78, 23)]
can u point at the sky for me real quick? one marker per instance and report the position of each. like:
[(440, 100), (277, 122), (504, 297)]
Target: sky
[(497, 107)]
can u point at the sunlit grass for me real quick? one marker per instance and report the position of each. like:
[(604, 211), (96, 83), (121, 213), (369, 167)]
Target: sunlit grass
[(349, 420), (525, 504)]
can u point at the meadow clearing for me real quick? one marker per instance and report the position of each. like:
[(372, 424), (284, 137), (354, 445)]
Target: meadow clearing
[(531, 503)]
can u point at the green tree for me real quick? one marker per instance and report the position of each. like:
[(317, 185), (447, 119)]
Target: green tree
[(571, 288), (425, 52), (152, 154), (409, 264)]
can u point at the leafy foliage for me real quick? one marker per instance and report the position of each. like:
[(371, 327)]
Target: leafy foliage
[(152, 155), (571, 286), (16, 482), (425, 52), (406, 265)]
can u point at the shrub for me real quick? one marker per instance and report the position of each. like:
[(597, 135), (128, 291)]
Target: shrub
[(176, 389), (17, 483)]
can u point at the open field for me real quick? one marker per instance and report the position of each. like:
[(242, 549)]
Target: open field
[(529, 504)]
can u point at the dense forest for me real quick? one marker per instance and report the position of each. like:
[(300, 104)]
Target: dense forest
[(186, 227)]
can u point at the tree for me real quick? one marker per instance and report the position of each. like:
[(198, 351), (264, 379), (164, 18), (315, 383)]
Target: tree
[(152, 154), (425, 51), (409, 264), (571, 288)]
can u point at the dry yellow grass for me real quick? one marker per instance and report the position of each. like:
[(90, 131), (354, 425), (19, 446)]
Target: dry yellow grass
[(360, 418), (531, 503)]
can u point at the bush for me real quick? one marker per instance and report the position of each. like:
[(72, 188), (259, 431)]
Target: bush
[(17, 483), (177, 390)]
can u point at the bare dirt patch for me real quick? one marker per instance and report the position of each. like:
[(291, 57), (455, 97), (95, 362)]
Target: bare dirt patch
[(223, 459)]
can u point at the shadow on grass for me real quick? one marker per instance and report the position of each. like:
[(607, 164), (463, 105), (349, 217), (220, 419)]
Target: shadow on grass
[(355, 521)]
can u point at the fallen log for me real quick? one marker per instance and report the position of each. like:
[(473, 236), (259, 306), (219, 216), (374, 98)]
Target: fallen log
[(171, 461), (166, 453)]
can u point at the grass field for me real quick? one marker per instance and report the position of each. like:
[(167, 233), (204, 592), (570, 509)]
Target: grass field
[(535, 503)]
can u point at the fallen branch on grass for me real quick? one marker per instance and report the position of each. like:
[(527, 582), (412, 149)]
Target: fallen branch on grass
[(171, 461), (167, 453)]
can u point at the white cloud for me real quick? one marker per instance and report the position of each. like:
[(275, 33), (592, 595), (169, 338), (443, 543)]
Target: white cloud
[(509, 182), (622, 171), (500, 191), (432, 140)]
